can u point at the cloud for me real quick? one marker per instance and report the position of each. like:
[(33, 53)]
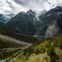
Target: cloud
[(32, 4), (9, 6), (16, 6), (39, 5)]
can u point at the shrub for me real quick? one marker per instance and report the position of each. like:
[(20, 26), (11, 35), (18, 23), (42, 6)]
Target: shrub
[(50, 50)]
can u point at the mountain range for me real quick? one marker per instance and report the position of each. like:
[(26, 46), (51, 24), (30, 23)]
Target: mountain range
[(45, 24), (5, 17)]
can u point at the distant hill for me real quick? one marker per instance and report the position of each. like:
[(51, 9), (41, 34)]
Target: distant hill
[(5, 17), (17, 35)]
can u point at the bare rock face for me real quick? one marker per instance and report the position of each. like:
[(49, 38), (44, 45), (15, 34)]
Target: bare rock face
[(52, 29)]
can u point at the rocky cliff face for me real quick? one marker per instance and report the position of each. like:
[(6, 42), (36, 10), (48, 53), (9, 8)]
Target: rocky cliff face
[(23, 22), (51, 22), (53, 29)]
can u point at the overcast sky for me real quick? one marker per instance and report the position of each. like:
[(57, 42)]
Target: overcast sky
[(16, 6)]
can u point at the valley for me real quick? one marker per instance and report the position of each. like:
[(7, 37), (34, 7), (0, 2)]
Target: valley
[(32, 37)]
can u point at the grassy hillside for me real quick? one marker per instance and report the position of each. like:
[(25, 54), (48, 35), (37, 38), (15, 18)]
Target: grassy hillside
[(17, 35), (8, 48), (48, 50), (5, 53)]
